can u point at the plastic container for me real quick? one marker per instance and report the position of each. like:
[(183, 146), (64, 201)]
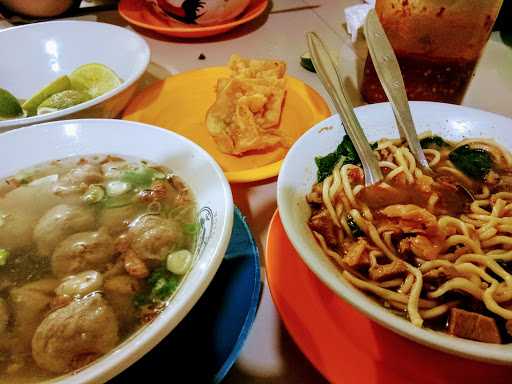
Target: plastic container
[(437, 43)]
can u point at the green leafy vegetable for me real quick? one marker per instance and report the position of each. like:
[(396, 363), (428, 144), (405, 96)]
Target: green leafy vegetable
[(141, 177), (473, 162), (433, 142), (374, 145), (354, 228), (191, 229), (326, 164), (349, 151), (4, 255), (344, 153)]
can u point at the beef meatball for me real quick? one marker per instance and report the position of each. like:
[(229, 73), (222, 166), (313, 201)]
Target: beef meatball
[(75, 335), (153, 237), (81, 252), (60, 222), (30, 303), (79, 178)]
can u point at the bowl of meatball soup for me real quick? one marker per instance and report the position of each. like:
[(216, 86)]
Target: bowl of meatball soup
[(110, 231)]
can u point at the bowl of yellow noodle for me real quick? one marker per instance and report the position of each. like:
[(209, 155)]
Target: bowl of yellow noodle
[(425, 254)]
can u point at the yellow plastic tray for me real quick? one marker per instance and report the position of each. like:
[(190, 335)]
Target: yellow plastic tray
[(179, 103)]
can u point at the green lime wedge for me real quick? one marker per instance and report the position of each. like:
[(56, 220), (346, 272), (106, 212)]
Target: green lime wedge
[(56, 86), (95, 79), (9, 105), (62, 100)]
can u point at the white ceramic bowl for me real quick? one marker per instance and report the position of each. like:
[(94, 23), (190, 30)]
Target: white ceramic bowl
[(32, 145), (298, 174), (34, 55)]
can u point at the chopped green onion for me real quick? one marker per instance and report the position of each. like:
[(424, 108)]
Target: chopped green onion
[(117, 188), (140, 299), (179, 262), (4, 255), (163, 284), (191, 229), (159, 176), (93, 195), (141, 177), (118, 201)]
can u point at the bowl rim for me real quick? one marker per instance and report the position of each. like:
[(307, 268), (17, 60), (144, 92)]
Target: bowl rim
[(25, 121), (491, 353), (129, 351)]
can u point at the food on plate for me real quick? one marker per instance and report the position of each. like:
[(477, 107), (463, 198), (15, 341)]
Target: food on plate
[(202, 12), (91, 249), (434, 248), (246, 114), (84, 83)]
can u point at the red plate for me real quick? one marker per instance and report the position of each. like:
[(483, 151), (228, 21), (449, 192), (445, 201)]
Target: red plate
[(141, 14), (347, 347)]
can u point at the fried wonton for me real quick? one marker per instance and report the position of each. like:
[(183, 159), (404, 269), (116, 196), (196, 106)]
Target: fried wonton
[(247, 111), (256, 69)]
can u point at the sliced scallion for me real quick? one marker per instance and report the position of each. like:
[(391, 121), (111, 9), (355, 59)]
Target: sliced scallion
[(179, 262), (94, 194), (117, 188), (4, 255)]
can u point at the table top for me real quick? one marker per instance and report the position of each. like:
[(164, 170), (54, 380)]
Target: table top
[(269, 355)]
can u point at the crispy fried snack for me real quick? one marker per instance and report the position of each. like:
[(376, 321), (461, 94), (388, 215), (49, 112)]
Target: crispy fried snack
[(247, 111)]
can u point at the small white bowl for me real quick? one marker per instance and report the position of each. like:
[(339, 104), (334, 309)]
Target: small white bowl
[(36, 144), (298, 174), (34, 55)]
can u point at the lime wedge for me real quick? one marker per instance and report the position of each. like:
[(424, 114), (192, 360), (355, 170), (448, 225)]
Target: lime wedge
[(62, 100), (95, 79), (9, 105), (56, 86)]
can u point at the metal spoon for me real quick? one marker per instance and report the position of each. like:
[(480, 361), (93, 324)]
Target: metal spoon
[(332, 79), (388, 70)]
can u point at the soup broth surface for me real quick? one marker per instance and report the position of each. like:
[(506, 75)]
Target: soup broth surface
[(91, 249)]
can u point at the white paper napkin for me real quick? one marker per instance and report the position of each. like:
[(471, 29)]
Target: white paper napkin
[(355, 16)]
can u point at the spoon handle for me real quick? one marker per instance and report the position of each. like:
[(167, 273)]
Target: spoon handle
[(388, 71), (332, 80)]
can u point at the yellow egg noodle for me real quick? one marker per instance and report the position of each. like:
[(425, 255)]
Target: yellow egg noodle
[(472, 245)]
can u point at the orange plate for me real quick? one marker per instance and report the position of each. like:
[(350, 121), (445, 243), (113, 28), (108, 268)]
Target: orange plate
[(180, 103), (345, 346), (142, 14)]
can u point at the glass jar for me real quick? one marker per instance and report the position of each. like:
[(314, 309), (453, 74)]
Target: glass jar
[(437, 43)]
